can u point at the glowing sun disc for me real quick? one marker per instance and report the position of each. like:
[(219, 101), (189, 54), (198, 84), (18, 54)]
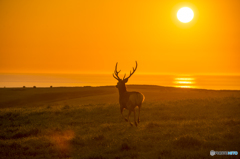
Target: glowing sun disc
[(185, 14)]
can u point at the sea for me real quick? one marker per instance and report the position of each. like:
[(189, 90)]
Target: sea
[(215, 82)]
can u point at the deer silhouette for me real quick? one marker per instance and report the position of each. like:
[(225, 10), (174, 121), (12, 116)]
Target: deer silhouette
[(128, 100)]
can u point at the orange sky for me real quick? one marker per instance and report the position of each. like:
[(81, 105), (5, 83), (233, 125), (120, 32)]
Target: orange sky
[(52, 36)]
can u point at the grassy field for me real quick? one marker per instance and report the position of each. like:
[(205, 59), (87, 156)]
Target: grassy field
[(85, 122)]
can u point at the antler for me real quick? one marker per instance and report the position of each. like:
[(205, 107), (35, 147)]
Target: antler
[(116, 73), (134, 69)]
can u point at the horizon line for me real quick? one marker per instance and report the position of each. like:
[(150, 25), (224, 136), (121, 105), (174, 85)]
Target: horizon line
[(141, 73)]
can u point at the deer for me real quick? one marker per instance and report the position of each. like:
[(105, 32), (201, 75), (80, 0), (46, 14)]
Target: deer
[(128, 100)]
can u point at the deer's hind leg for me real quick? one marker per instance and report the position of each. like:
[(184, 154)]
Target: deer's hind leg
[(135, 117), (139, 107)]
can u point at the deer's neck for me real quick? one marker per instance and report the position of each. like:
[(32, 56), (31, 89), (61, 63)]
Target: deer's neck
[(122, 91)]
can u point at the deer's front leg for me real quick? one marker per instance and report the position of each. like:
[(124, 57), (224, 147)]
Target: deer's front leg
[(129, 116), (121, 109)]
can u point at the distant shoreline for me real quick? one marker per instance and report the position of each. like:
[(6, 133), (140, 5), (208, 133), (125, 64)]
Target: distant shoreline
[(79, 80), (130, 85)]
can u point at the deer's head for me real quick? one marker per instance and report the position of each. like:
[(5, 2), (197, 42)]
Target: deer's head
[(121, 82)]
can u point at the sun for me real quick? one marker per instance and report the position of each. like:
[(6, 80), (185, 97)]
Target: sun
[(185, 14)]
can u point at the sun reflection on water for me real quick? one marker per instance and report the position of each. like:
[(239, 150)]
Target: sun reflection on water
[(184, 82)]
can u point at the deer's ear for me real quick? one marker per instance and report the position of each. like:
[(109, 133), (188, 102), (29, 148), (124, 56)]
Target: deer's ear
[(125, 80)]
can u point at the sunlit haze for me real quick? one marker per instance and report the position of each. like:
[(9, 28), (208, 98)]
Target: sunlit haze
[(51, 36)]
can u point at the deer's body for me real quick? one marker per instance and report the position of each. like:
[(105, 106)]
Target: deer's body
[(128, 100)]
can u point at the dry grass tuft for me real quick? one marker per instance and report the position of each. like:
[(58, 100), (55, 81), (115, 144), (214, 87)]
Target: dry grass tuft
[(152, 125), (98, 138), (66, 107), (187, 142), (125, 147)]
